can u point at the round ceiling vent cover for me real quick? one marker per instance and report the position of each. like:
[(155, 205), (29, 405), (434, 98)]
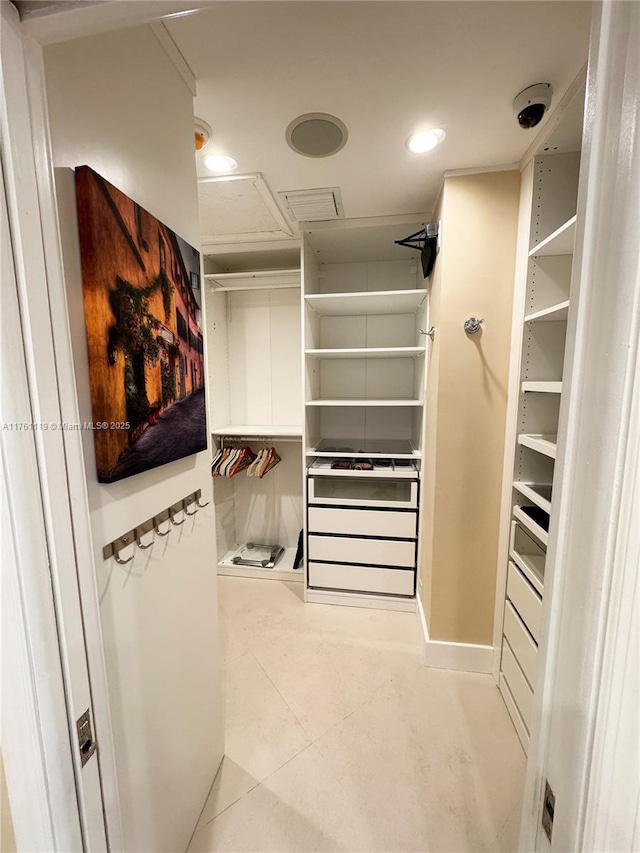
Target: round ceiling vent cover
[(317, 135)]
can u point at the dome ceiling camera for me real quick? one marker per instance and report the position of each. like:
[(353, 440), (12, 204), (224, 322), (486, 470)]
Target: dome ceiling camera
[(531, 104)]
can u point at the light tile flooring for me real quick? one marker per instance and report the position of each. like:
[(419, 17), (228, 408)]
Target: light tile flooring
[(338, 738)]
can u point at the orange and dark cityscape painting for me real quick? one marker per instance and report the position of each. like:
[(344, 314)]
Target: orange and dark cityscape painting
[(141, 285)]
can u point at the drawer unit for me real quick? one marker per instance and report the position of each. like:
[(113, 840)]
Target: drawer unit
[(363, 491), (363, 522), (522, 646), (376, 552), (361, 578), (525, 599), (517, 683)]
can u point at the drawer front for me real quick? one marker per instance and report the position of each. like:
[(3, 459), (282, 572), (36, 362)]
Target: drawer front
[(361, 579), (363, 522), (525, 600), (518, 685), (363, 492), (376, 552), (522, 645)]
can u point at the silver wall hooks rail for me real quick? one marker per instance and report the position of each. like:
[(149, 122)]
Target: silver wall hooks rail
[(152, 525)]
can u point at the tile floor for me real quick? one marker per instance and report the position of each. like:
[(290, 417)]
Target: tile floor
[(338, 738)]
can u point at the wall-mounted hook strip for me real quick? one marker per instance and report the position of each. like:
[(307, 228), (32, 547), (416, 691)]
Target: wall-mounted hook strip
[(173, 511), (198, 496), (139, 533), (118, 545), (152, 526), (187, 503), (157, 521)]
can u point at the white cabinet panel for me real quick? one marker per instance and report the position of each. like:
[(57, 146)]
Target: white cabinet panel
[(517, 683), (360, 491), (363, 522), (376, 552), (361, 579), (525, 599), (522, 646)]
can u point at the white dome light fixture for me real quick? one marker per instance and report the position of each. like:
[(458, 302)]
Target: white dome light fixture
[(220, 164), (425, 141)]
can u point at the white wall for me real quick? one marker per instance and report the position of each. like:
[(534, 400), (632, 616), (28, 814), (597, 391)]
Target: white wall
[(118, 105)]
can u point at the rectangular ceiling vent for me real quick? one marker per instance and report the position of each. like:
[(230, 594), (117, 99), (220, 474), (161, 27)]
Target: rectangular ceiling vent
[(313, 205)]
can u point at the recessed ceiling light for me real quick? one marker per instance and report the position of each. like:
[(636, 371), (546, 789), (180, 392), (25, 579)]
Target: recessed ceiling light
[(420, 143), (220, 164)]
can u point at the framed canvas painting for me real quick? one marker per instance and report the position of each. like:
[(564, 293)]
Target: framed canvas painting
[(141, 288)]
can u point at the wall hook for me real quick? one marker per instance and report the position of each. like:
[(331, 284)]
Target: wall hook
[(172, 519), (430, 334), (156, 526), (206, 503), (139, 534), (116, 551), (473, 324), (185, 504)]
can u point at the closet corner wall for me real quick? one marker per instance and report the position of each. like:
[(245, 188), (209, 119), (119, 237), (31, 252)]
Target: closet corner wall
[(253, 347), (534, 440)]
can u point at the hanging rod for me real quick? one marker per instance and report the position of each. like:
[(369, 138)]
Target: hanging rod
[(151, 525), (254, 439)]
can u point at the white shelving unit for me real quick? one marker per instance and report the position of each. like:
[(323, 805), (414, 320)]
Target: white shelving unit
[(539, 390), (553, 314), (254, 351), (364, 320), (368, 352), (540, 387)]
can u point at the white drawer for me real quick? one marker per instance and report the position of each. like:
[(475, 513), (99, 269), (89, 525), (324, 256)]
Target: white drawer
[(522, 645), (363, 522), (364, 491), (525, 600), (517, 683), (362, 578), (373, 552)]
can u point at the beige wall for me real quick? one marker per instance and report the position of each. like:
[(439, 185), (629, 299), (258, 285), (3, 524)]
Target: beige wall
[(466, 405), (118, 104), (7, 838)]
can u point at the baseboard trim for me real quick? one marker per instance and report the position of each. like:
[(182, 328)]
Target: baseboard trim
[(423, 620), (460, 656)]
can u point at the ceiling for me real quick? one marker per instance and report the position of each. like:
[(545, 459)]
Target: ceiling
[(386, 69)]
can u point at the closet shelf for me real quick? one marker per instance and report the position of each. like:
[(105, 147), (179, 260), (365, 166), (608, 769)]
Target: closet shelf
[(256, 280), (364, 448), (544, 444), (554, 314), (368, 352), (559, 243), (328, 471), (366, 302), (543, 387), (538, 494), (533, 527), (293, 431), (363, 401)]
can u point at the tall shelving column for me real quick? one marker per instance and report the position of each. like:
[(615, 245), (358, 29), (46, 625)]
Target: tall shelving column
[(365, 349), (540, 389), (253, 348)]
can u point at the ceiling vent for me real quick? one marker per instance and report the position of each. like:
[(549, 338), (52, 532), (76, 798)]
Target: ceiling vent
[(313, 205)]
